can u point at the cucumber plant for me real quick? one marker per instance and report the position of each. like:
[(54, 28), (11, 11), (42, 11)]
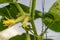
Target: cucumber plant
[(16, 13)]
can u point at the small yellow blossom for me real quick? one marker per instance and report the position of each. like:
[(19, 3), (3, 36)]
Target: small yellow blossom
[(9, 22)]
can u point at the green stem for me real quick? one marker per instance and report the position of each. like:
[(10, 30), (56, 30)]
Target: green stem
[(47, 28), (32, 17), (21, 18), (27, 35), (19, 8), (43, 32)]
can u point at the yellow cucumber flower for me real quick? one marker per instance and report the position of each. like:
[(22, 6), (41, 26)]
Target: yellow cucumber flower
[(9, 22)]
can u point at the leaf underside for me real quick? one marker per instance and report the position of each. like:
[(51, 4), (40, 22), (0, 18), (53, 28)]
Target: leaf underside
[(54, 15)]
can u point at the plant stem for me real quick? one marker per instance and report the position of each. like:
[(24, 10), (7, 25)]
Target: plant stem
[(43, 32), (32, 17), (47, 28), (19, 8), (27, 35), (19, 19)]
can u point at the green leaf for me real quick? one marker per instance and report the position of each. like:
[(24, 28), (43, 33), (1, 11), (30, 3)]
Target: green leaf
[(11, 10), (55, 26), (55, 10), (23, 37), (53, 15), (2, 27)]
